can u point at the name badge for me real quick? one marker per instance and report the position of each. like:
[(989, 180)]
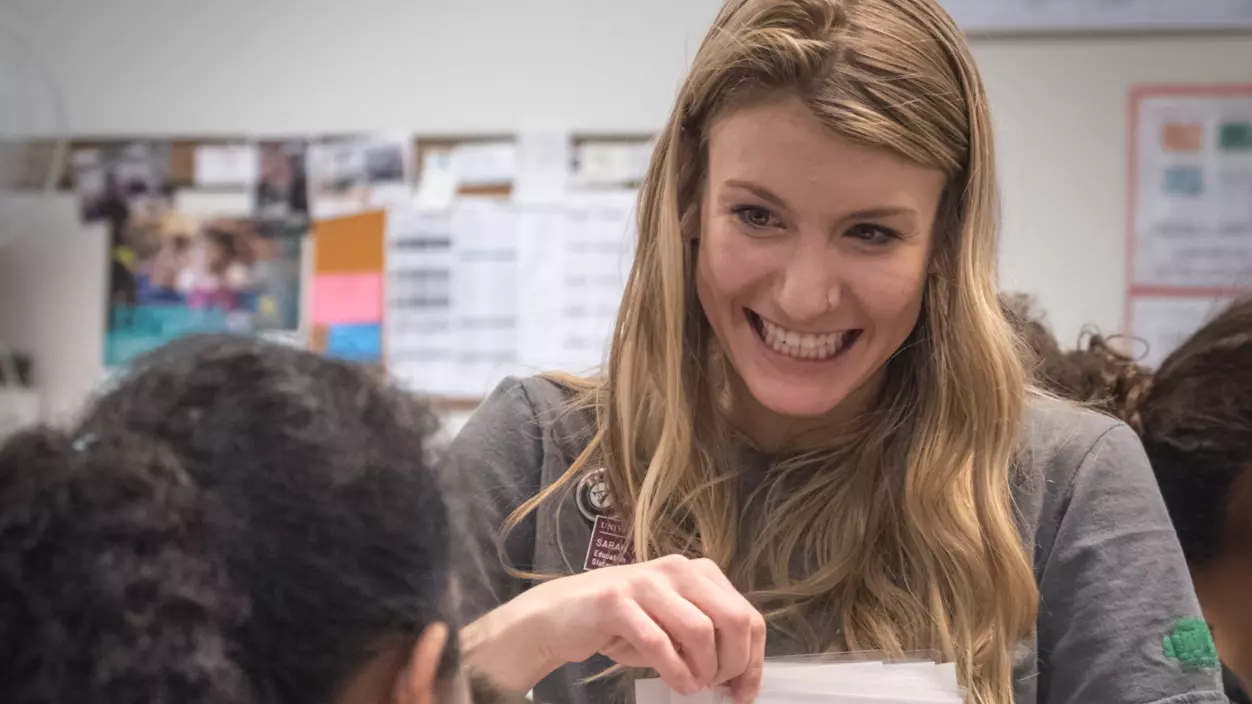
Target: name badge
[(609, 545)]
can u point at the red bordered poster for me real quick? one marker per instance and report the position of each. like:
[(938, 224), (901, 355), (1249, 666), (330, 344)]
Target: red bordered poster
[(1189, 209)]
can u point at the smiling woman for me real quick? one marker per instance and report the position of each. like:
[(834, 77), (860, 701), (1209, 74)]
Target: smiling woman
[(814, 428), (812, 264)]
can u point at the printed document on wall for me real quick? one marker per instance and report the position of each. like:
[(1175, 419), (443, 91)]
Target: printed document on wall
[(1193, 198), (575, 259), (544, 162), (484, 294), (420, 338)]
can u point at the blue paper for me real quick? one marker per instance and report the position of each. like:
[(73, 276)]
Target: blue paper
[(357, 343)]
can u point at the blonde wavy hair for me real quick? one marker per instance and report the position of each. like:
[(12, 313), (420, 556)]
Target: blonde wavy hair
[(899, 532)]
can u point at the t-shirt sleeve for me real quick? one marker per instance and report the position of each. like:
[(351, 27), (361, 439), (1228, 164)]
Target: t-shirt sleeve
[(1119, 622), (492, 466)]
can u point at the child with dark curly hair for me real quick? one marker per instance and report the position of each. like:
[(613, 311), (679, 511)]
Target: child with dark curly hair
[(235, 523), (1194, 415)]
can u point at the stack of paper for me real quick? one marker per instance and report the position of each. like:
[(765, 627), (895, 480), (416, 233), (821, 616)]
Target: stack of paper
[(822, 681)]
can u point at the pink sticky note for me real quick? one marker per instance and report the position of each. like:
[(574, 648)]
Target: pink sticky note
[(340, 299)]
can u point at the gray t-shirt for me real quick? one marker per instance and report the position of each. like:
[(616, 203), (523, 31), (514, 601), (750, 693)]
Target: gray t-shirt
[(1117, 610)]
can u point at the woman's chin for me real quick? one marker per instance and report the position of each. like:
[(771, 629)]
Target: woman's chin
[(800, 404)]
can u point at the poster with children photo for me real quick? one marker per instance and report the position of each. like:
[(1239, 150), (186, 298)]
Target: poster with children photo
[(206, 275)]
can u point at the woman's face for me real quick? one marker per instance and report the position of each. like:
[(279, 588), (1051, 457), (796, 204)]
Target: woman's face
[(812, 262)]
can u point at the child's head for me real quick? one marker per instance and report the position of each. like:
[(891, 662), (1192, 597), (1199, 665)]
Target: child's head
[(235, 522), (1194, 415), (1196, 421)]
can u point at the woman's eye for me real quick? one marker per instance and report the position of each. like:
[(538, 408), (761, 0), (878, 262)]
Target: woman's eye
[(873, 234), (756, 216)]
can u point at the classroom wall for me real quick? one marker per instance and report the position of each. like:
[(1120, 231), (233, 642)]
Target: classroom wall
[(492, 66)]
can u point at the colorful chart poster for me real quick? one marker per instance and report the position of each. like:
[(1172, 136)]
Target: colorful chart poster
[(1193, 191), (1190, 235)]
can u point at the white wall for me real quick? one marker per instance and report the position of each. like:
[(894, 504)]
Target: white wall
[(488, 66)]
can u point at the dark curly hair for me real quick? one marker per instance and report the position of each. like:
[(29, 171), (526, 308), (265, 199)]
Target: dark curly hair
[(236, 522), (1194, 413)]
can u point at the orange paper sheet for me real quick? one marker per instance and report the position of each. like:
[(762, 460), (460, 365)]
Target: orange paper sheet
[(350, 245)]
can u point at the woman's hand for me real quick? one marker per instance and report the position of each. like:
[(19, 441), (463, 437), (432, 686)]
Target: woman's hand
[(680, 617)]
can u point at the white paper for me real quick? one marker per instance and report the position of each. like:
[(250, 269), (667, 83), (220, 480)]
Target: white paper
[(226, 165), (830, 683), (484, 294), (437, 186), (485, 163), (575, 259), (420, 340), (209, 204), (1160, 324), (1193, 202), (617, 163), (544, 160)]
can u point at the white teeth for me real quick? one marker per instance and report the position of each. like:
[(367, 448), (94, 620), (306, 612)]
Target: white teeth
[(802, 345)]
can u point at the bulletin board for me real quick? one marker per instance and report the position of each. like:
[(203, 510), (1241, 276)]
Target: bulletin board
[(446, 262), (1189, 212)]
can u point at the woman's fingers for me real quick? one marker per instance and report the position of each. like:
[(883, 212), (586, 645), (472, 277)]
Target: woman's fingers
[(745, 687), (688, 626), (654, 646), (740, 627)]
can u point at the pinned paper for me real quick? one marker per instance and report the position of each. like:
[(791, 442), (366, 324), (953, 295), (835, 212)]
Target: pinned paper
[(438, 183), (347, 298), (357, 343), (485, 163), (226, 165), (352, 175), (218, 204), (350, 244), (613, 162), (544, 159)]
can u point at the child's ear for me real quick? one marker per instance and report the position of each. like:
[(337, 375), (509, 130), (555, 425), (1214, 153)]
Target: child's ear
[(418, 682)]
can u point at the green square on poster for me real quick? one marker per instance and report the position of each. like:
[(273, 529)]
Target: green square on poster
[(1235, 136)]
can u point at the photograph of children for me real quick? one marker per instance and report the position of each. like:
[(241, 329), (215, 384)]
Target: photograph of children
[(353, 175), (282, 190), (211, 275)]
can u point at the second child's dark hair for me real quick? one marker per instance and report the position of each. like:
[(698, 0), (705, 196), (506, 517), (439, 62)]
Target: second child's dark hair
[(1197, 428), (1194, 414), (237, 522)]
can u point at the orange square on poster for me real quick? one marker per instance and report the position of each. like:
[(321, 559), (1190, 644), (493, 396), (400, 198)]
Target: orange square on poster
[(349, 245), (1182, 136), (340, 299)]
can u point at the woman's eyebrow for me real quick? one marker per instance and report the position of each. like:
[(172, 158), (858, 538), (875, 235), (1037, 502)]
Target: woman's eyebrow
[(885, 211)]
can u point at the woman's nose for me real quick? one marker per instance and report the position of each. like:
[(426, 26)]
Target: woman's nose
[(810, 280)]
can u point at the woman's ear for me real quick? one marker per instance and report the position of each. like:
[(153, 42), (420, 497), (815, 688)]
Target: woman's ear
[(418, 682)]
